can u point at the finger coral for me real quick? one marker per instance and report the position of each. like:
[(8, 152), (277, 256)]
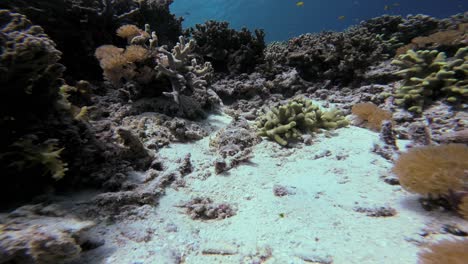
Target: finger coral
[(289, 121), (429, 75), (372, 114), (433, 170), (446, 251)]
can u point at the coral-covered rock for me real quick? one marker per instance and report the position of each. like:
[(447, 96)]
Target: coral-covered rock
[(338, 56), (205, 209), (36, 239), (233, 145)]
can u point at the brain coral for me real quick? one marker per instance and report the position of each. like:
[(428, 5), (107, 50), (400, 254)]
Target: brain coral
[(433, 170)]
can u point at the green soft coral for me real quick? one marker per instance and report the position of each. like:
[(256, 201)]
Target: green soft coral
[(28, 154), (428, 74), (290, 121)]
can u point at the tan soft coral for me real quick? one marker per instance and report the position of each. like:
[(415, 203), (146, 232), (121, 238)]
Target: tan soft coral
[(446, 252), (128, 32), (372, 114), (135, 53), (433, 170), (117, 63), (463, 208)]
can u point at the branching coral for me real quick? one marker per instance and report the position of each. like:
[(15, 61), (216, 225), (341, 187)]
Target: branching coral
[(433, 170), (289, 121), (429, 75), (446, 251), (372, 114), (227, 49)]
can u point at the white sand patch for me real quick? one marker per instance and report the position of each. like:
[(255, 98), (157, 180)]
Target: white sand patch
[(318, 222)]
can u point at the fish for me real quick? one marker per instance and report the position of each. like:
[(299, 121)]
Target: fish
[(341, 17), (388, 7), (300, 3)]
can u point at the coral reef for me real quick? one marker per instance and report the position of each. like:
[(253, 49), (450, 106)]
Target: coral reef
[(41, 134), (228, 50), (429, 75), (433, 170), (289, 121), (78, 27), (445, 251), (143, 65)]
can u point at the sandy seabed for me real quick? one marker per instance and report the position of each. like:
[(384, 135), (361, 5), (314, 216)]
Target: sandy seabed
[(334, 184)]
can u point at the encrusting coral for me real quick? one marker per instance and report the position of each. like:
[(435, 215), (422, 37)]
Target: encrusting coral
[(445, 251), (372, 114), (429, 75), (289, 121), (433, 170)]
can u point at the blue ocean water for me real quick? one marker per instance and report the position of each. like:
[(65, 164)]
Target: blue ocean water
[(283, 19)]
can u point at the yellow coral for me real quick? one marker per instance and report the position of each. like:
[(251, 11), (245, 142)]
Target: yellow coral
[(372, 114), (434, 170), (446, 252)]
